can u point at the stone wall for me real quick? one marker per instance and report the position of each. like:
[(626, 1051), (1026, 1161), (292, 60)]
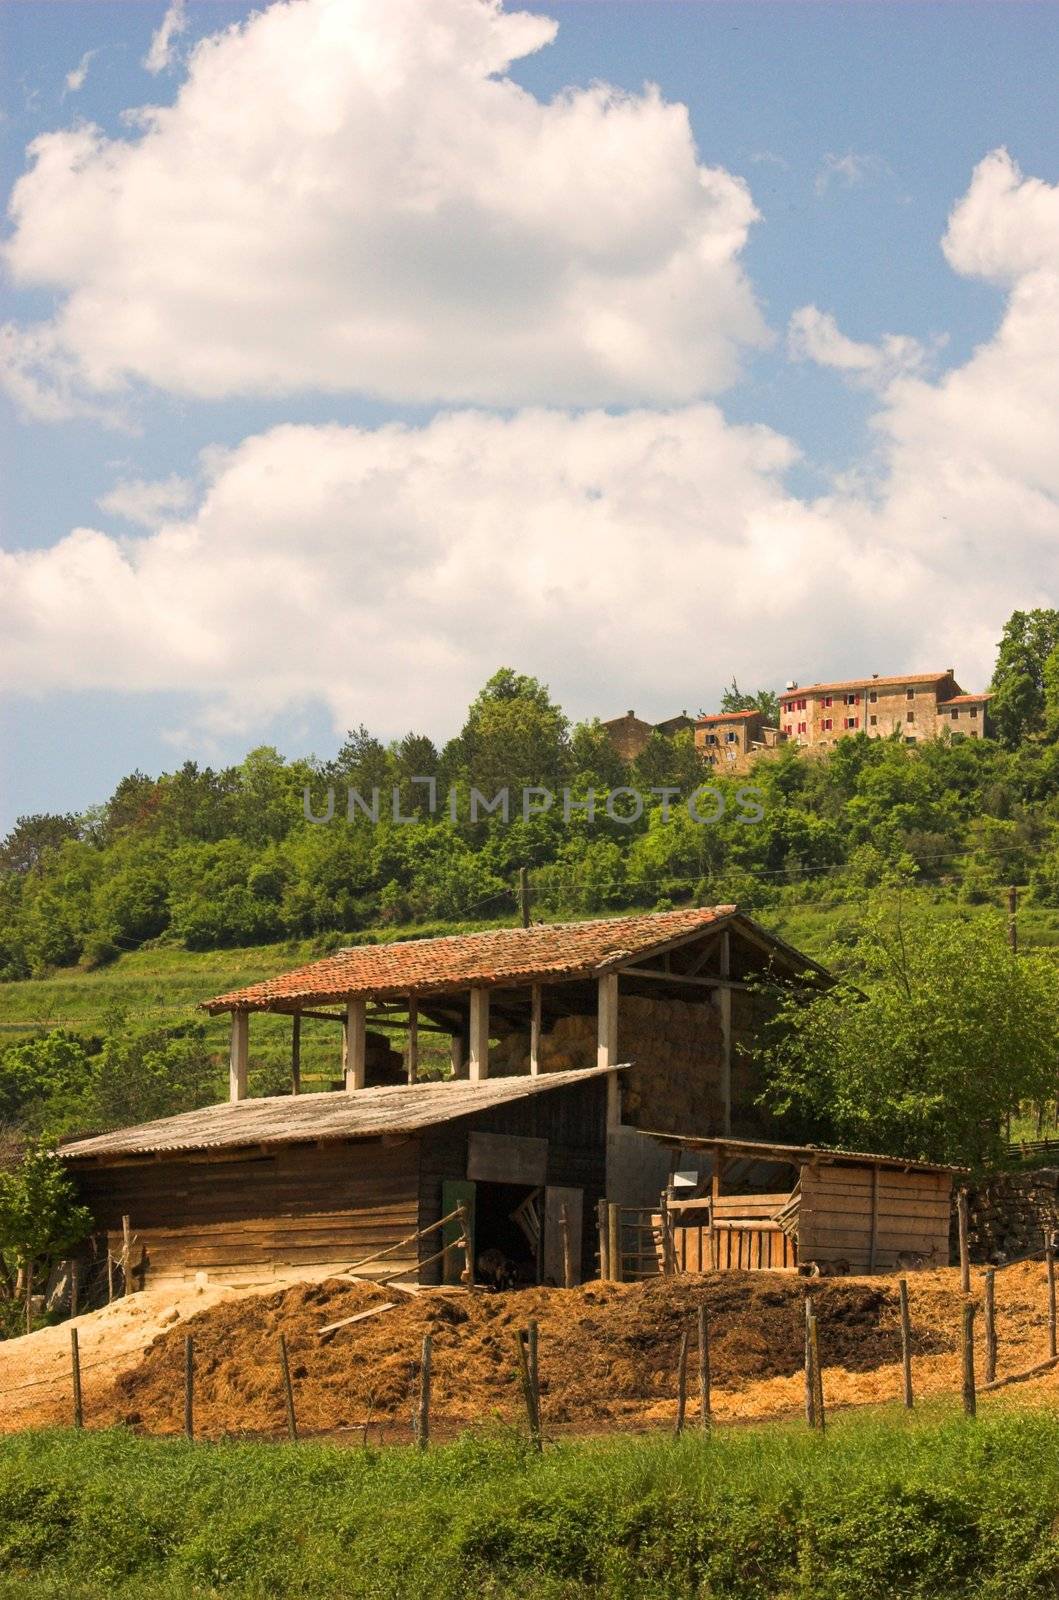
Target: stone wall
[(674, 1085), (1009, 1213)]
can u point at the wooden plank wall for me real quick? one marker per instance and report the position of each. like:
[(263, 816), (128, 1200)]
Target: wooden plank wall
[(573, 1120), (911, 1209), (245, 1216)]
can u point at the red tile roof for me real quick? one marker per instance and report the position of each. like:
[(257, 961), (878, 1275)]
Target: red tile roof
[(864, 683), (499, 956), (726, 716), (965, 700)]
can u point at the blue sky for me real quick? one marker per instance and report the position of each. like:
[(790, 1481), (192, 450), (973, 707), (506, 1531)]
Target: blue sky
[(857, 129)]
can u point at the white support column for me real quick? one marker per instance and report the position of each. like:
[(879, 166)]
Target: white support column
[(724, 1005), (238, 1055), (607, 1045), (479, 1040), (354, 1044), (535, 1030)]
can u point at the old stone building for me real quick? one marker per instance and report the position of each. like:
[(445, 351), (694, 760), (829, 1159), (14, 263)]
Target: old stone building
[(630, 734), (915, 706), (730, 741)]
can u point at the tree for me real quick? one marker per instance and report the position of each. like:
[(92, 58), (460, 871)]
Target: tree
[(514, 736), (32, 837), (935, 1034), (765, 700), (1026, 661), (40, 1219)]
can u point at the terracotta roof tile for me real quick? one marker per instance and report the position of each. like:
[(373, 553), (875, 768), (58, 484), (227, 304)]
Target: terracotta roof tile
[(726, 716), (863, 683), (508, 956), (965, 700)]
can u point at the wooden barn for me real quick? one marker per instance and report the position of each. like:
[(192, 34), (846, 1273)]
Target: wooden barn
[(758, 1206), (258, 1188)]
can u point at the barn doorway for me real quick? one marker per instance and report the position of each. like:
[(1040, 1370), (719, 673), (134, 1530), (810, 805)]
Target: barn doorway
[(508, 1218)]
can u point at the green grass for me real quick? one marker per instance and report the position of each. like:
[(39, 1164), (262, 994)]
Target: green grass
[(925, 1509)]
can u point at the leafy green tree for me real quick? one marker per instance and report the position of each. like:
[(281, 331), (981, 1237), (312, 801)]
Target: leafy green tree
[(935, 1034), (41, 1220), (767, 701), (32, 837), (514, 735), (1026, 654)]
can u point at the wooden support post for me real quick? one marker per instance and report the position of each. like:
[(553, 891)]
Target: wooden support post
[(457, 1059), (355, 1044), (873, 1239), (669, 1252), (423, 1418), (818, 1371), (715, 1193), (189, 1386), (989, 1307), (682, 1384), (607, 1042), (535, 1030), (568, 1256), (479, 1040), (288, 1391), (614, 1250), (525, 1369), (413, 1040), (704, 1367), (75, 1365), (1049, 1261), (238, 1056), (296, 1053), (126, 1257), (906, 1344), (810, 1381), (467, 1234), (969, 1403), (965, 1260), (75, 1285), (604, 1255), (724, 1005), (110, 1273)]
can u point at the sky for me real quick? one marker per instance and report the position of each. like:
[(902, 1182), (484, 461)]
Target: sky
[(351, 349)]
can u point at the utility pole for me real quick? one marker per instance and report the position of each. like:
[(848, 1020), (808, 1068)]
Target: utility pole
[(1013, 919), (524, 895)]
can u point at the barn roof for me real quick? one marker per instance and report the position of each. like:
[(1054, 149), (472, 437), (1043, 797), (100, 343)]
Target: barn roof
[(764, 1150), (301, 1119), (497, 957)]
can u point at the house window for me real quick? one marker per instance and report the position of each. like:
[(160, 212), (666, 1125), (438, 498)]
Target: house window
[(827, 699), (730, 737), (910, 716), (850, 699), (955, 715), (788, 729), (711, 738), (851, 722), (802, 727), (872, 696), (873, 720), (827, 724), (910, 694), (801, 705), (910, 738), (974, 711)]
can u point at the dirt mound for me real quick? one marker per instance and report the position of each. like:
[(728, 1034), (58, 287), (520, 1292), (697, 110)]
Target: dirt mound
[(606, 1350)]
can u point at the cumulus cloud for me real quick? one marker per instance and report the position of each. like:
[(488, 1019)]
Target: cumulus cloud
[(148, 502), (160, 54), (814, 335), (353, 196)]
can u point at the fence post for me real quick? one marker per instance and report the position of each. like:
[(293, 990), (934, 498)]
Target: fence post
[(568, 1259), (75, 1286), (126, 1254), (906, 1343), (614, 1252), (989, 1307), (965, 1261), (1049, 1261), (704, 1366), (969, 1400), (601, 1224), (75, 1364), (525, 1374), (682, 1383), (189, 1386), (810, 1384), (818, 1371), (423, 1422), (288, 1392)]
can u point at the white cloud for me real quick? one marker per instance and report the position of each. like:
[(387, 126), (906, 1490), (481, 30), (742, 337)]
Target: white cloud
[(160, 54), (352, 196), (849, 170), (148, 503), (814, 335), (75, 79)]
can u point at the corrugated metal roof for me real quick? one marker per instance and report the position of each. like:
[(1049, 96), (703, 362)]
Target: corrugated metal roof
[(300, 1119), (509, 956), (764, 1149)]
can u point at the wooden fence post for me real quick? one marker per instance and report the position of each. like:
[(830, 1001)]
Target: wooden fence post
[(288, 1392), (989, 1307), (528, 1389), (614, 1252), (423, 1421), (75, 1365), (810, 1383), (969, 1402), (110, 1274), (906, 1344), (126, 1255), (75, 1286), (189, 1386), (601, 1224), (1049, 1261), (682, 1383), (818, 1372), (704, 1366), (965, 1261), (568, 1257)]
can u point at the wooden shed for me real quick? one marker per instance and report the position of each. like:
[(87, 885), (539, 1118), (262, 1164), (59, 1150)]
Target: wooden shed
[(766, 1206), (252, 1189)]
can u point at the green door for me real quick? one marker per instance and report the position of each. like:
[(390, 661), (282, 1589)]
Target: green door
[(453, 1190)]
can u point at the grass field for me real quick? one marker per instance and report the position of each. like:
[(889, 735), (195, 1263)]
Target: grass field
[(928, 1509)]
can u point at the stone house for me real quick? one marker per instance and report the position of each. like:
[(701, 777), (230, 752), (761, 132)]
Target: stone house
[(630, 734), (915, 706), (729, 741)]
